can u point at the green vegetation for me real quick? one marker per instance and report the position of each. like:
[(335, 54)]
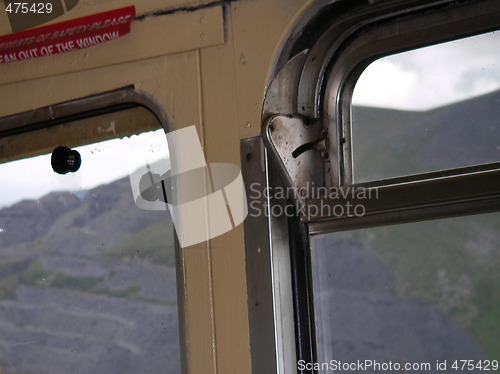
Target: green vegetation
[(130, 292), (14, 273), (486, 327), (154, 244), (76, 283), (8, 286), (450, 263), (35, 275)]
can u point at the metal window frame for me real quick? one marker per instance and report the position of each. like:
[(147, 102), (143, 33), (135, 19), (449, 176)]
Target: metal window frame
[(313, 91), (440, 194), (319, 65), (91, 106), (271, 287), (387, 37), (425, 196)]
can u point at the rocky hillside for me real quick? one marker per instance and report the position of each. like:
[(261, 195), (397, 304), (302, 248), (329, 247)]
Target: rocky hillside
[(87, 281), (389, 143), (418, 292)]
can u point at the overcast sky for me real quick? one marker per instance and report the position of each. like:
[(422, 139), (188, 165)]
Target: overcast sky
[(101, 163), (432, 76)]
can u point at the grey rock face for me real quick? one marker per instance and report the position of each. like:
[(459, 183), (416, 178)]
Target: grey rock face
[(362, 318)]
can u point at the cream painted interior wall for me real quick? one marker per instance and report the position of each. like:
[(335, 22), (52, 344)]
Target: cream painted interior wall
[(210, 68)]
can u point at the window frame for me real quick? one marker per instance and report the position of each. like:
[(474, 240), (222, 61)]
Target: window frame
[(320, 64), (103, 103), (391, 36), (425, 196), (446, 193)]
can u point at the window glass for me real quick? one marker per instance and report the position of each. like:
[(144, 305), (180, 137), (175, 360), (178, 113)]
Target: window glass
[(428, 109), (87, 279), (425, 293)]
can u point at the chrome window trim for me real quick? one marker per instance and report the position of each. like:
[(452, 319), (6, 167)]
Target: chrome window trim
[(439, 197), (393, 35), (268, 263)]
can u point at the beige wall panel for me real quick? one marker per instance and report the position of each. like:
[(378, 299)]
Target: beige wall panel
[(199, 310), (230, 303), (220, 118), (260, 28), (234, 83), (88, 7), (153, 36), (160, 77)]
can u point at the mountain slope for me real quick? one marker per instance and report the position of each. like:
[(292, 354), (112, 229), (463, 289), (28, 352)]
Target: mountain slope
[(389, 143), (89, 280)]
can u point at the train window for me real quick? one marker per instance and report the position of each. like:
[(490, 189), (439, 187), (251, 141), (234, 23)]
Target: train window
[(419, 297), (87, 279), (394, 164), (428, 109)]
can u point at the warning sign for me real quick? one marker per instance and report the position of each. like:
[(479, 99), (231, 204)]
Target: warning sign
[(66, 36)]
